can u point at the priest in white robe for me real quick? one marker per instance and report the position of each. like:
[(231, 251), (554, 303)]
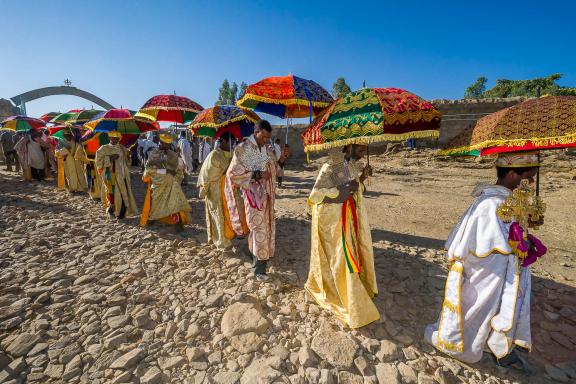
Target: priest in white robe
[(487, 296)]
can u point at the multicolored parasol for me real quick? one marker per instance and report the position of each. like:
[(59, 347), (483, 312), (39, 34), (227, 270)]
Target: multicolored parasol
[(48, 116), (372, 115), (286, 97), (79, 118), (548, 122), (62, 118), (212, 122), (22, 123), (170, 108), (120, 120)]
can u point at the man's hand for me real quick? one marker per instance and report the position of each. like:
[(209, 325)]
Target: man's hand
[(366, 172), (535, 223), (353, 186), (266, 175), (343, 195)]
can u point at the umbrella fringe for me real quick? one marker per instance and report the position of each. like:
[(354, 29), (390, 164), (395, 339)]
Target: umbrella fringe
[(214, 125), (536, 141), (303, 102), (161, 108), (373, 139)]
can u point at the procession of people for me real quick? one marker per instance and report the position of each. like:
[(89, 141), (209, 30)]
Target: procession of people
[(486, 304)]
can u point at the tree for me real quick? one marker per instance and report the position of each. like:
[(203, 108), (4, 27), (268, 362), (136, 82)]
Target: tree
[(511, 88), (476, 90), (233, 96), (242, 92), (223, 93), (340, 88)]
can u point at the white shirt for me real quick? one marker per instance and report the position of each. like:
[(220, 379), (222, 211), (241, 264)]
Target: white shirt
[(277, 151)]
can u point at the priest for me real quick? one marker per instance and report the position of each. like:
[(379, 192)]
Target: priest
[(486, 302), (113, 166), (342, 278), (211, 183)]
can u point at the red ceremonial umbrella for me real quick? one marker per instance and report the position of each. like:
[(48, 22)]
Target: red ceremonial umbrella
[(170, 108)]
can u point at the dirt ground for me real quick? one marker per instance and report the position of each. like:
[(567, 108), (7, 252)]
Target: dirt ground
[(66, 269)]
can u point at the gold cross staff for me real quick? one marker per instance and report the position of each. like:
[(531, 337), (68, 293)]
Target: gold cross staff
[(522, 205)]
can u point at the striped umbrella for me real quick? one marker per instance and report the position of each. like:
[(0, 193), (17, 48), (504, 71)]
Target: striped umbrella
[(49, 116), (120, 120), (22, 123)]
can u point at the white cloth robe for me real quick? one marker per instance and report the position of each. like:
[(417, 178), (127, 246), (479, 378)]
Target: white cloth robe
[(186, 154), (487, 297)]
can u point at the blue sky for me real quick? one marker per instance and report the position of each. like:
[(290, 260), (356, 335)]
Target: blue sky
[(127, 51)]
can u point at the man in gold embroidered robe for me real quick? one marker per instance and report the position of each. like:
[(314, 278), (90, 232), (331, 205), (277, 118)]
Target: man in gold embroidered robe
[(253, 172), (113, 166), (165, 200), (487, 296), (342, 277), (93, 180), (69, 165), (211, 183)]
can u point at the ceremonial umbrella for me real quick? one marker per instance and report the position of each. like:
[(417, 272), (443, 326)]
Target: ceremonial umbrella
[(48, 116), (286, 97), (372, 115), (212, 122), (22, 123), (547, 122), (170, 108), (62, 118), (120, 120)]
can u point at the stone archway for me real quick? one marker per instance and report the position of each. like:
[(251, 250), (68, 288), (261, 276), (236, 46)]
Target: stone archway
[(21, 100)]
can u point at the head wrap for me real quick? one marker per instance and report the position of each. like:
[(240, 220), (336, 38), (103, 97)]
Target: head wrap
[(115, 134), (525, 159), (166, 138)]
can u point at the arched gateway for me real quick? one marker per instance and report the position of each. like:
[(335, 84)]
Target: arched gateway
[(21, 100)]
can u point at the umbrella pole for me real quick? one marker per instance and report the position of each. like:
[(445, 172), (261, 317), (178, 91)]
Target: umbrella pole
[(368, 162), (538, 182), (287, 126), (538, 177)]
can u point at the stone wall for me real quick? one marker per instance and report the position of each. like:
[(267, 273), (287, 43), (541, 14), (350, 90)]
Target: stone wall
[(457, 115), (6, 109)]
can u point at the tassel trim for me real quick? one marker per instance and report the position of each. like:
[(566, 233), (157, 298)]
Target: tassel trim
[(536, 141), (365, 140), (294, 101)]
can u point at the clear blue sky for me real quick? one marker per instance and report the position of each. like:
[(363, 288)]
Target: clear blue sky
[(126, 51)]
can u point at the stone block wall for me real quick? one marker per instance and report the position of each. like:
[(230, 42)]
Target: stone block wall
[(457, 115)]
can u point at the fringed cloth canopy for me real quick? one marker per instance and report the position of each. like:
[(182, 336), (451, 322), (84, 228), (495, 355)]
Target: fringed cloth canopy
[(286, 97), (170, 108), (545, 123), (372, 115), (212, 122)]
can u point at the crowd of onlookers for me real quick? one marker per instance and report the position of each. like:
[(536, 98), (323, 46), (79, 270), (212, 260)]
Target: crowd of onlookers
[(32, 153)]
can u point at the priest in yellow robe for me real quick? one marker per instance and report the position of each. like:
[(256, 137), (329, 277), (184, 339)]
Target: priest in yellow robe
[(93, 180), (165, 200), (342, 278), (68, 165), (113, 166), (211, 184)]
